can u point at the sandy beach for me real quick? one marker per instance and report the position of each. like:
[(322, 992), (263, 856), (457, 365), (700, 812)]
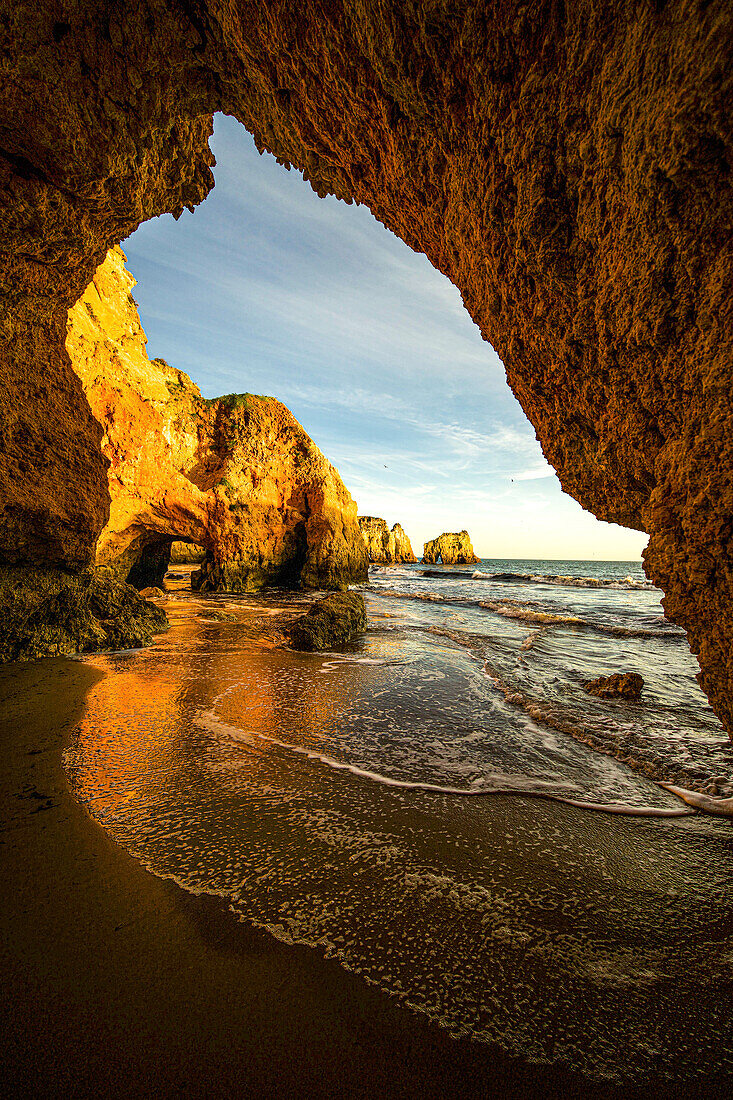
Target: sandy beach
[(119, 983)]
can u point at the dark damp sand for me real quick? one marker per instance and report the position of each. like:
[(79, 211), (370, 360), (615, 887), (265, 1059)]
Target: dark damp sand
[(117, 983)]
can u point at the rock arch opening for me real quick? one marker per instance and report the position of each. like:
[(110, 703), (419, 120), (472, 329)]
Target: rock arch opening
[(567, 169)]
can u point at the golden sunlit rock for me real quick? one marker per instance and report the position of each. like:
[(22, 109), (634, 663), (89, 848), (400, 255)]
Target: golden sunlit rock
[(186, 553), (383, 545), (566, 166), (236, 475), (450, 548)]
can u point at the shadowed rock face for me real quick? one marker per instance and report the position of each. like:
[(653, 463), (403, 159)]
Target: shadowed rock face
[(333, 621), (48, 614), (383, 545), (450, 548), (236, 475), (567, 166)]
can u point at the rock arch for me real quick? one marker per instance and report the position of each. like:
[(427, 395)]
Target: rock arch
[(450, 548), (566, 165), (235, 475)]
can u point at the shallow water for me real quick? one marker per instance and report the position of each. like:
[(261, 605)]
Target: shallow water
[(541, 639), (239, 768)]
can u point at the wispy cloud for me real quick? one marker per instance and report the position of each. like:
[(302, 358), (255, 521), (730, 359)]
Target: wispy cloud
[(535, 473), (269, 289), (454, 435)]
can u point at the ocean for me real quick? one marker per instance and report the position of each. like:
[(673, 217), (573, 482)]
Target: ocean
[(441, 806)]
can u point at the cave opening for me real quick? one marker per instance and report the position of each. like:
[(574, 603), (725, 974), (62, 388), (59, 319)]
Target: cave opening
[(567, 169), (562, 255), (150, 568), (370, 348)]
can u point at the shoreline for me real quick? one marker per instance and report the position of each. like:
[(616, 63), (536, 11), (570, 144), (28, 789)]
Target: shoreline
[(119, 983), (638, 753)]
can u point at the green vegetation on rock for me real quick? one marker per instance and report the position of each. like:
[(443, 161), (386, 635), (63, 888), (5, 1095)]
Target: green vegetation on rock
[(47, 612), (332, 621), (234, 401)]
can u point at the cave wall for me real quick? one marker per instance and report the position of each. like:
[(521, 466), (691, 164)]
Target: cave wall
[(102, 125), (566, 165)]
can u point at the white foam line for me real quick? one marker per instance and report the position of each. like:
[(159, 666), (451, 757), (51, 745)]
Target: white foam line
[(208, 720), (721, 807)]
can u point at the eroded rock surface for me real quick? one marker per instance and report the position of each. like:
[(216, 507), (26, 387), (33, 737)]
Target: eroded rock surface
[(332, 621), (566, 166), (237, 475), (47, 613), (385, 546), (621, 685), (450, 548)]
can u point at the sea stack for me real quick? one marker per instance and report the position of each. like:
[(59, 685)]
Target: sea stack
[(235, 475), (450, 548), (384, 546)]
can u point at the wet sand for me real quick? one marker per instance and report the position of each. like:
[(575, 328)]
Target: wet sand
[(118, 983)]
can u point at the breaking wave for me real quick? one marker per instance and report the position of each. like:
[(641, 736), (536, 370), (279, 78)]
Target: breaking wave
[(486, 785), (534, 615), (628, 582)]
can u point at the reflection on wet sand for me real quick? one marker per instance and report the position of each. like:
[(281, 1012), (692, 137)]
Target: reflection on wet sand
[(561, 935)]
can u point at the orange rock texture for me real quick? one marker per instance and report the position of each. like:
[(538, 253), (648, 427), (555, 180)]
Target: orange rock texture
[(567, 166), (385, 546), (450, 548), (236, 475), (621, 685)]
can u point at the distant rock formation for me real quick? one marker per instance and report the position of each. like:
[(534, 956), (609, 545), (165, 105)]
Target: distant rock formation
[(383, 545), (186, 553), (402, 546), (236, 475), (450, 548)]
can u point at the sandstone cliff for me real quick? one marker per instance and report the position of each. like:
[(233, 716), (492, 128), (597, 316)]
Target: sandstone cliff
[(567, 166), (402, 546), (384, 545), (450, 548), (236, 475)]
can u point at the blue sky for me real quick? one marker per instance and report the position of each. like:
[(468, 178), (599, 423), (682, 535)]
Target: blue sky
[(266, 288)]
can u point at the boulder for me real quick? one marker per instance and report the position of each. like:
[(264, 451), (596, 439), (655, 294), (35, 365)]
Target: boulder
[(622, 685), (47, 615), (332, 621)]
